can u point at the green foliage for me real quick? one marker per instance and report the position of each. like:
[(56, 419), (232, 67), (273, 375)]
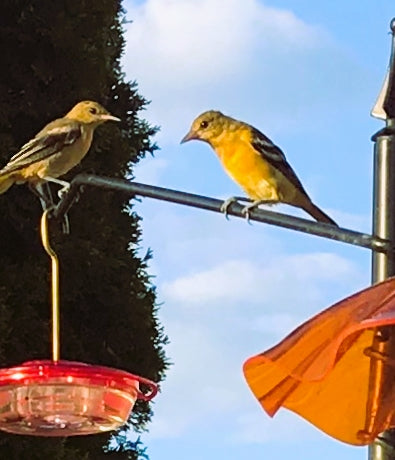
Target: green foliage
[(123, 448), (53, 55)]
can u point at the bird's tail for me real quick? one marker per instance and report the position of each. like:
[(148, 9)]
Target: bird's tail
[(6, 180), (318, 214)]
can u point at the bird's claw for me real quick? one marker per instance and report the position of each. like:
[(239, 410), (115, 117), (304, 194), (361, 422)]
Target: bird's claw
[(225, 206), (246, 213), (63, 191)]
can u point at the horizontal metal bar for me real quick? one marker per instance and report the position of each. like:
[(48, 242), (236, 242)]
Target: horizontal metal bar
[(211, 204)]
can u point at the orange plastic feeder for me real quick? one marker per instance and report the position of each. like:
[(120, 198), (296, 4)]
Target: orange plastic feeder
[(337, 369), (66, 398)]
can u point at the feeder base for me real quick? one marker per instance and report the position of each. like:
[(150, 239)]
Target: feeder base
[(45, 398)]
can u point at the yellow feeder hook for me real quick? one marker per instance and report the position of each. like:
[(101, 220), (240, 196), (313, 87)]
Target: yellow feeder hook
[(55, 285)]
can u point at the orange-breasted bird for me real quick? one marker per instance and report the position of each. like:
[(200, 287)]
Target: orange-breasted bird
[(57, 148), (254, 162)]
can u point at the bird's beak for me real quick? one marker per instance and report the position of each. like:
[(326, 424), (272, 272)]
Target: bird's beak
[(107, 116), (188, 137)]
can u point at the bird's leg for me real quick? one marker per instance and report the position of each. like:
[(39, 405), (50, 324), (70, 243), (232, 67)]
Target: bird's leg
[(81, 189), (233, 199), (66, 225), (43, 192), (64, 189), (45, 197), (61, 192), (247, 209), (46, 189)]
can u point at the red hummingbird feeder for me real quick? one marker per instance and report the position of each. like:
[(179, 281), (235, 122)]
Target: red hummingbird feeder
[(66, 398)]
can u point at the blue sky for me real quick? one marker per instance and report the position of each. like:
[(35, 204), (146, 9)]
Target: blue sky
[(306, 74)]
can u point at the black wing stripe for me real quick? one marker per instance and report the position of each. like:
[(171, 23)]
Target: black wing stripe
[(42, 147), (275, 157), (46, 137)]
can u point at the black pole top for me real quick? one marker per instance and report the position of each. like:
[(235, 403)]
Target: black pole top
[(389, 100)]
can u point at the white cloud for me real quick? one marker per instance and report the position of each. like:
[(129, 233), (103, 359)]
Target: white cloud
[(201, 40), (205, 380), (234, 317), (192, 55), (227, 306), (276, 280)]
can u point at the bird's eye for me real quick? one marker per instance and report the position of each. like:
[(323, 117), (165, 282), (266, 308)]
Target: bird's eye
[(204, 124), (93, 110)]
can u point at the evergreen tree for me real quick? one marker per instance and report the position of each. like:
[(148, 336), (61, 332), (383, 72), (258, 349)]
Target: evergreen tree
[(53, 55)]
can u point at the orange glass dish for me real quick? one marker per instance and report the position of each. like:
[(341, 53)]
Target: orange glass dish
[(66, 398), (337, 370)]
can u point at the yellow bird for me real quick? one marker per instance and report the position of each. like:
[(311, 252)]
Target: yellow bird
[(254, 162), (56, 149)]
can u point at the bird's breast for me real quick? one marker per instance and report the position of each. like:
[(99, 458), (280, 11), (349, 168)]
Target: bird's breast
[(252, 172)]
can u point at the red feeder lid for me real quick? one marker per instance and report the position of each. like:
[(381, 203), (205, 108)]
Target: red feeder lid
[(67, 398)]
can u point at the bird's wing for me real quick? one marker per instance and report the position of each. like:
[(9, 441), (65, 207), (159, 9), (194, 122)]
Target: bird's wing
[(49, 141), (275, 157)]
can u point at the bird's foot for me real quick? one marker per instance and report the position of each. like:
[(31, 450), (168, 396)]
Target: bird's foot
[(227, 203), (65, 185), (246, 211), (255, 204), (63, 191), (44, 195)]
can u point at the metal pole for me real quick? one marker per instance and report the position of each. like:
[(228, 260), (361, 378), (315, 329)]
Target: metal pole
[(211, 204), (383, 266), (382, 375)]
